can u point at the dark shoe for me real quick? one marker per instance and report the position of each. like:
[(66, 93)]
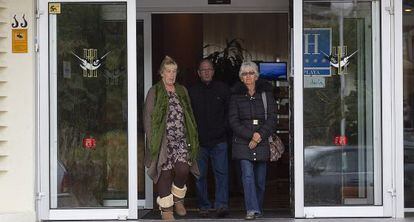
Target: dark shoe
[(203, 213), (258, 215), (222, 212), (250, 216)]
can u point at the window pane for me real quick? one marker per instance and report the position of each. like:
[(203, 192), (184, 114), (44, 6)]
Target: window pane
[(338, 101), (91, 82)]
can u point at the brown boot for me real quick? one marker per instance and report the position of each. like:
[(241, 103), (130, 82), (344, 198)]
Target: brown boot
[(167, 213), (166, 207), (179, 194)]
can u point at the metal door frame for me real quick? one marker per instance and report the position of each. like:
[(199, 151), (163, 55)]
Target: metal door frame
[(391, 153), (43, 128)]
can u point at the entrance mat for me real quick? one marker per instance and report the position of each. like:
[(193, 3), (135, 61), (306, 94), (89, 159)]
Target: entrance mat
[(233, 214)]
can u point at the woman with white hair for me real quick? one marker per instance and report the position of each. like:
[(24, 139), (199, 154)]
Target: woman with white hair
[(251, 130)]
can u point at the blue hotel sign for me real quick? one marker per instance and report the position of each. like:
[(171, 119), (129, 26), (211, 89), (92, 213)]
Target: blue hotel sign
[(317, 44)]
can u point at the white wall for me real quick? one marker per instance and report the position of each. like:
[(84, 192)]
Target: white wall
[(18, 176)]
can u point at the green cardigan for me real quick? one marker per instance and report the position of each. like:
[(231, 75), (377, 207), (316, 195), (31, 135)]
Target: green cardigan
[(158, 120)]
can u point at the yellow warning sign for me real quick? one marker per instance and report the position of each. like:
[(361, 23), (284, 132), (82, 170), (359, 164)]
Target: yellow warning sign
[(54, 8), (19, 41)]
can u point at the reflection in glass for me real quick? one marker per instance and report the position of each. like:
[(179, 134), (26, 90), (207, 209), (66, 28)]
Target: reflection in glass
[(339, 82), (92, 139), (408, 65)]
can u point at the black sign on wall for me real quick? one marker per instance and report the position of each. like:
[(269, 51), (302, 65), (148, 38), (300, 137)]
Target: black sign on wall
[(219, 2)]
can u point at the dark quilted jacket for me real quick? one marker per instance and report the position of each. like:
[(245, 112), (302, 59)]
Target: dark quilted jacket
[(243, 110)]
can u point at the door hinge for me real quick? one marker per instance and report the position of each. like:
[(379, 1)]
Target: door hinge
[(390, 10), (392, 192), (36, 47), (122, 217), (39, 13), (309, 216), (39, 195)]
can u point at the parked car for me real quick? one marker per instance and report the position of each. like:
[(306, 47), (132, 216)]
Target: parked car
[(333, 176)]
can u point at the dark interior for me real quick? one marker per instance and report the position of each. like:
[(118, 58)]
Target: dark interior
[(187, 38)]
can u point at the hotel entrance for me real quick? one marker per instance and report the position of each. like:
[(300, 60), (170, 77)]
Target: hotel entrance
[(335, 158), (226, 38), (102, 58)]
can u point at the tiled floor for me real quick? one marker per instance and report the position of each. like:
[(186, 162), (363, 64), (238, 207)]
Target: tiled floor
[(279, 216), (275, 219)]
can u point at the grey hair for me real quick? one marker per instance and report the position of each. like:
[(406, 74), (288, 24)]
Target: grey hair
[(207, 61), (249, 66)]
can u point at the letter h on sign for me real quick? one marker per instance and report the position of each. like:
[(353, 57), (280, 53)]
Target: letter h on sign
[(313, 43)]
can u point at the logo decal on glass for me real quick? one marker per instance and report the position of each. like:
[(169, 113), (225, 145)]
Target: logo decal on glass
[(90, 62), (112, 77), (340, 58)]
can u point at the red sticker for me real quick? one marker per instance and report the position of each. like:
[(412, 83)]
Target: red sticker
[(341, 140), (89, 143)]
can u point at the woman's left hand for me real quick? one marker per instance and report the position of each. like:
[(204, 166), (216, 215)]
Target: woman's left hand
[(256, 137), (252, 144)]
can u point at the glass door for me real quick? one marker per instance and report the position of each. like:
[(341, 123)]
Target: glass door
[(92, 110), (339, 155)]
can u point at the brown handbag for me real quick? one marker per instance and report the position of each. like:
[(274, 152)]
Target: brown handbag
[(276, 147), (275, 143)]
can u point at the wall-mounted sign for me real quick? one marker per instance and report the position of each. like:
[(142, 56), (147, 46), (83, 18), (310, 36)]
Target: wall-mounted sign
[(22, 23), (219, 2), (19, 41), (54, 8), (19, 34), (316, 45)]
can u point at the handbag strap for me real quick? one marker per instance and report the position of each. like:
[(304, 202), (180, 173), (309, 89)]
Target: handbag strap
[(264, 103)]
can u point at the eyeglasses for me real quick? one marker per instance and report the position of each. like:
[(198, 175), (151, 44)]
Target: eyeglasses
[(206, 70), (248, 73)]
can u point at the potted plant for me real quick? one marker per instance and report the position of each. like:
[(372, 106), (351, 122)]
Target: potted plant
[(228, 60)]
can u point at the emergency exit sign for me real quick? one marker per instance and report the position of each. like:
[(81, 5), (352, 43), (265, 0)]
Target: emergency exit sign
[(219, 2)]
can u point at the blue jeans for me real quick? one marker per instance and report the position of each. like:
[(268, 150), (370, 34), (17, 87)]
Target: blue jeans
[(254, 183), (219, 163)]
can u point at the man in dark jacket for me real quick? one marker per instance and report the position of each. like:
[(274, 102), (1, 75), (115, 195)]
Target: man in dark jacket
[(209, 100)]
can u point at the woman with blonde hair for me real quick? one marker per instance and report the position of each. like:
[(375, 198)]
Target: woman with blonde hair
[(172, 140)]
